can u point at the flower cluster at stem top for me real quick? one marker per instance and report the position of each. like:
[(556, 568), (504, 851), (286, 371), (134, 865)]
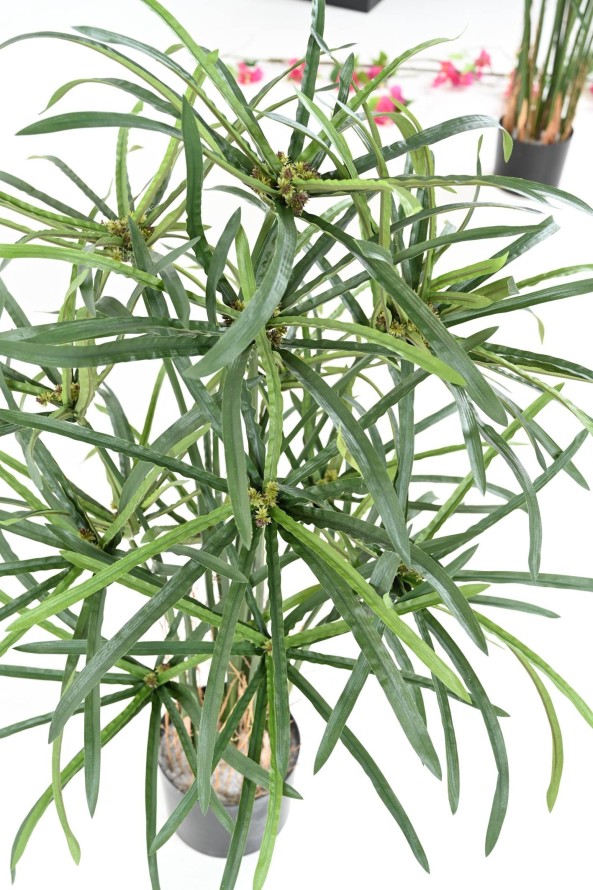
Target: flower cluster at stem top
[(261, 501), (120, 228), (294, 196)]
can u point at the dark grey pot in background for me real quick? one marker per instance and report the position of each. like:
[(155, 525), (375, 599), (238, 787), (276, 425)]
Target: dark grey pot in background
[(533, 161), (203, 831), (358, 5)]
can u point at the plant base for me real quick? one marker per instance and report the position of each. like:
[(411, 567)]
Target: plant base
[(203, 832), (533, 161)]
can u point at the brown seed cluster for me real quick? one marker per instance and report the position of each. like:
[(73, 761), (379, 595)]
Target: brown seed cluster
[(87, 534), (401, 330), (120, 229), (238, 306), (275, 334), (294, 196)]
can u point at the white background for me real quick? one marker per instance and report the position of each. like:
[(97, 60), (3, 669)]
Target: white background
[(340, 835)]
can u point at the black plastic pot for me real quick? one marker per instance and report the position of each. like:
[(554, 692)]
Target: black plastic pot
[(358, 5), (533, 160), (203, 831)]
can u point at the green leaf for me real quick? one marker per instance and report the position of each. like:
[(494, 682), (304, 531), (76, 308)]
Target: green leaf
[(92, 706), (514, 605), (501, 793), (382, 579), (309, 81), (55, 674), (421, 357), (111, 651), (536, 190), (371, 465), (557, 746), (234, 452), (221, 78), (452, 753), (77, 257), (430, 136), (449, 593), (70, 770), (243, 822), (127, 86), (55, 603), (471, 436), (483, 267), (276, 778), (192, 145), (151, 787), (73, 844), (388, 616), (379, 265), (261, 306), (361, 624), (218, 262), (535, 526), (560, 683), (103, 440), (278, 660), (77, 120), (41, 719), (362, 756), (275, 408), (544, 579)]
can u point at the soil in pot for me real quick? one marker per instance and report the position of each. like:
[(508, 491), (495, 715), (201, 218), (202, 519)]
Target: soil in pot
[(203, 831)]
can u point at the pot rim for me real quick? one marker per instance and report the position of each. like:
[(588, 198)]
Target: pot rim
[(294, 732), (537, 143)]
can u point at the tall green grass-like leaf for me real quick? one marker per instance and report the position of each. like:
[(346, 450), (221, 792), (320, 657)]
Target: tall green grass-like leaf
[(369, 766), (151, 786), (261, 306), (501, 793), (372, 468), (119, 644), (236, 464), (310, 74)]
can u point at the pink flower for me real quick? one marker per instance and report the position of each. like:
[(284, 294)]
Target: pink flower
[(397, 94), (249, 73), (449, 73), (384, 103), (374, 70), (467, 78), (298, 72), (483, 60)]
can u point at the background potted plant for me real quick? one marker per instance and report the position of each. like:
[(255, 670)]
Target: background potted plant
[(286, 448), (356, 5), (552, 66)]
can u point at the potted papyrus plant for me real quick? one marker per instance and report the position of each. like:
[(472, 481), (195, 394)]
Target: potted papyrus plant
[(550, 75)]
